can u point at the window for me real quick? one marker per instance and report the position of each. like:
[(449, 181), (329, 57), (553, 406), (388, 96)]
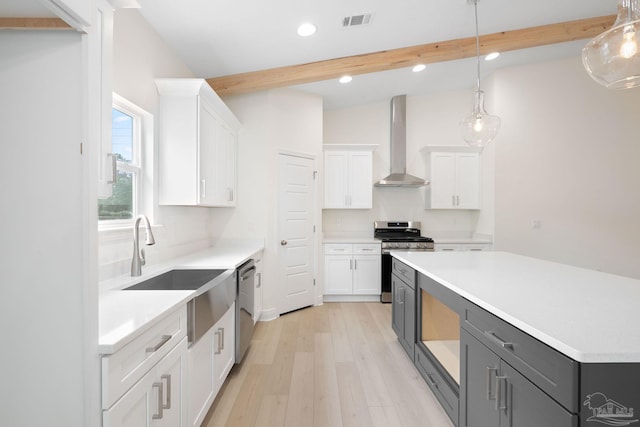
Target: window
[(126, 146)]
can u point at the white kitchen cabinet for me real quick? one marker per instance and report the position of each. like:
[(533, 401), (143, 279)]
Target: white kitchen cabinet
[(449, 247), (198, 144), (144, 382), (210, 360), (76, 13), (348, 176), (352, 269), (455, 180)]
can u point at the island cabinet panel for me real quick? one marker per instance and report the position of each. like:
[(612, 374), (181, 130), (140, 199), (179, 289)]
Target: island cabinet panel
[(609, 394), (554, 373)]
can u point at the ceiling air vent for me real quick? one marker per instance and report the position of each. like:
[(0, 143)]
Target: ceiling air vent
[(356, 20)]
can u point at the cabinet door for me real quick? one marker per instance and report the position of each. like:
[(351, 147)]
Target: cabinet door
[(224, 354), (522, 404), (231, 147), (338, 274), (467, 181), (443, 180), (479, 369), (408, 339), (360, 180), (207, 157), (134, 409), (335, 179), (201, 378), (397, 306), (172, 374), (366, 275)]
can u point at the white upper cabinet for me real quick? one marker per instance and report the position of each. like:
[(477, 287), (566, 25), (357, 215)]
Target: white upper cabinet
[(455, 180), (198, 145), (348, 176), (76, 13)]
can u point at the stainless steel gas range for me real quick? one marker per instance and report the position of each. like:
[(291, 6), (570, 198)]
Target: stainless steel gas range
[(398, 235)]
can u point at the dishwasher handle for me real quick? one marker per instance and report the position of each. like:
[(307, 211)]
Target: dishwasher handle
[(245, 274)]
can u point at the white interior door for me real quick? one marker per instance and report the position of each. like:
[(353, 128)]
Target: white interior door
[(295, 228)]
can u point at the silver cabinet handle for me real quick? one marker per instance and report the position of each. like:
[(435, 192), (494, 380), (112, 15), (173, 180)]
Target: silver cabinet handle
[(350, 264), (457, 200), (160, 414), (283, 242), (453, 200), (499, 393), (219, 349), (222, 333), (504, 344), (489, 370), (203, 188), (167, 378), (162, 342), (114, 168), (355, 264), (258, 280)]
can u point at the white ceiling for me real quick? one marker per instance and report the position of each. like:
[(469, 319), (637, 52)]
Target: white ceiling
[(222, 37)]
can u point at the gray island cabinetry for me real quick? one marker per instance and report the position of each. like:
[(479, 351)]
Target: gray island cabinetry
[(403, 309), (506, 340)]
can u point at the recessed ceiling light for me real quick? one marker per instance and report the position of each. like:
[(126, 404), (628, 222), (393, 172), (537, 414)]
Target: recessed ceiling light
[(345, 79), (492, 56), (307, 29), (418, 68)]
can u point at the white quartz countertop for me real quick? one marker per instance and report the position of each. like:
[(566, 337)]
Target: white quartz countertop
[(123, 315), (589, 316)]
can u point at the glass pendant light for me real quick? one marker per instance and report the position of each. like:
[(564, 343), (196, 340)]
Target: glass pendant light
[(613, 58), (480, 128)]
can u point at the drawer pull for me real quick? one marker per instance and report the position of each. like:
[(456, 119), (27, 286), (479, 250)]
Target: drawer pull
[(504, 344), (162, 342), (219, 335), (160, 413), (431, 381)]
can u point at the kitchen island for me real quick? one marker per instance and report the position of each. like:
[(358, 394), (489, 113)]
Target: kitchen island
[(539, 341)]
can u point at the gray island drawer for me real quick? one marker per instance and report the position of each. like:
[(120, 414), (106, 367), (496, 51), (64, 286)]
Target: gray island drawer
[(554, 373), (403, 271)]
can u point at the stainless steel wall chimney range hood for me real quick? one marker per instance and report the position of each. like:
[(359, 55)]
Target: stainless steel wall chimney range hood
[(399, 176)]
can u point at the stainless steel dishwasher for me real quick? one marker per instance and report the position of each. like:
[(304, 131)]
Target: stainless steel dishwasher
[(244, 308)]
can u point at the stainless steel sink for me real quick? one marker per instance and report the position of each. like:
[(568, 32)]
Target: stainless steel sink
[(177, 280), (215, 294)]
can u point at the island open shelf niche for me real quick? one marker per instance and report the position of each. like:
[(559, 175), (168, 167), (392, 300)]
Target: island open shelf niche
[(441, 333)]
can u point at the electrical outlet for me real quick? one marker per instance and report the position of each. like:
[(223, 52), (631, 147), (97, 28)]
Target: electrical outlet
[(536, 224)]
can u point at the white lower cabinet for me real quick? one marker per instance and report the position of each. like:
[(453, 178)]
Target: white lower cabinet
[(449, 247), (210, 360), (156, 399), (352, 269), (143, 383)]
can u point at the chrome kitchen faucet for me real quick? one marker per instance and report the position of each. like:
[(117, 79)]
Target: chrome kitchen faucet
[(138, 254)]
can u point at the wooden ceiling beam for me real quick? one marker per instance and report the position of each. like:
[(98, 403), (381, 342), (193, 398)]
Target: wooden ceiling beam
[(33, 24), (409, 56)]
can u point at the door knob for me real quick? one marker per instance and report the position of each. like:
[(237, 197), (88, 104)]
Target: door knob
[(283, 242)]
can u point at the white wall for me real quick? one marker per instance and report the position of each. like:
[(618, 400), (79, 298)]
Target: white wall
[(141, 56), (48, 306), (431, 120), (271, 121), (568, 156)]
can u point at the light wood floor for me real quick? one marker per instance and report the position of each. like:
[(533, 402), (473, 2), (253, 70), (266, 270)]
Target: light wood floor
[(335, 365)]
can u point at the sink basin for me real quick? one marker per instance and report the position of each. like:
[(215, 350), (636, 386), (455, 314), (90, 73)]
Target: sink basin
[(177, 280)]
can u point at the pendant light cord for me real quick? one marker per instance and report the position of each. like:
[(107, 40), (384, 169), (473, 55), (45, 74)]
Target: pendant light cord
[(475, 4)]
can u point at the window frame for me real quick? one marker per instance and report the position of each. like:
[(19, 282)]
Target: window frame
[(142, 132)]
